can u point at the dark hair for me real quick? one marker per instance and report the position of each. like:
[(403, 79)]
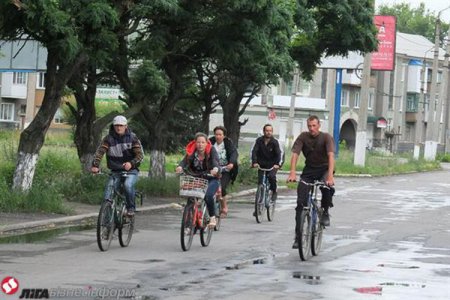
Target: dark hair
[(312, 118), (199, 134), (220, 128), (264, 127)]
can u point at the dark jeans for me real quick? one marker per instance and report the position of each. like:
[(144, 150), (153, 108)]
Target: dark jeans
[(224, 182), (272, 176), (213, 185), (309, 175), (128, 184)]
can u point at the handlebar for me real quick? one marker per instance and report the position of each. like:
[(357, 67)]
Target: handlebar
[(265, 170), (318, 183)]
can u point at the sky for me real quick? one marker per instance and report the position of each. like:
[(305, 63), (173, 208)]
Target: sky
[(433, 5)]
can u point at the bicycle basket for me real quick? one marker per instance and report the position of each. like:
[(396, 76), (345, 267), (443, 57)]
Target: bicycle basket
[(191, 186)]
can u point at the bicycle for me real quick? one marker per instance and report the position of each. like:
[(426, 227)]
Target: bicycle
[(263, 198), (195, 213), (311, 230), (112, 216)]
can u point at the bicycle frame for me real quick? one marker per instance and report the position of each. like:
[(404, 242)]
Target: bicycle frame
[(310, 238), (265, 183)]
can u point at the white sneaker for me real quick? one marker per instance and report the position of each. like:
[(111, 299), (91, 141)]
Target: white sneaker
[(212, 222)]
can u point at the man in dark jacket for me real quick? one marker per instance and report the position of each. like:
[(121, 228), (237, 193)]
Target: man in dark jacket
[(267, 153), (228, 159), (123, 153)]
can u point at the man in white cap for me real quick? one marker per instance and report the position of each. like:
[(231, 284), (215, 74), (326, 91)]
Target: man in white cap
[(123, 153)]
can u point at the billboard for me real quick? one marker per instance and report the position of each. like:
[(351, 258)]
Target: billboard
[(384, 58)]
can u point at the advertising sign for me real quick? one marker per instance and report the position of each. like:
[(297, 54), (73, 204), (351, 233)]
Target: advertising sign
[(384, 58)]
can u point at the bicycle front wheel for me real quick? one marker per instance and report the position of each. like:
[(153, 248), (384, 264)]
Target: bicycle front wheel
[(218, 208), (317, 231), (187, 226), (304, 238), (126, 230), (271, 207), (206, 231), (105, 226), (259, 203)]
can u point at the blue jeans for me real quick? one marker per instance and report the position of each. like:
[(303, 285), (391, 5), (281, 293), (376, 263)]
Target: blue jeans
[(129, 182), (213, 186)]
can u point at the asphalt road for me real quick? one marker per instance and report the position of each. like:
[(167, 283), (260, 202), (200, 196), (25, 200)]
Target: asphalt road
[(389, 237)]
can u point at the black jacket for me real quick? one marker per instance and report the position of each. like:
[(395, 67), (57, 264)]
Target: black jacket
[(232, 156), (267, 155)]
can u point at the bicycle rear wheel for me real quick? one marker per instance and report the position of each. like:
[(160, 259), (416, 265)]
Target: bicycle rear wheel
[(304, 238), (105, 226), (317, 231), (206, 231), (259, 203), (271, 208), (187, 225), (126, 230)]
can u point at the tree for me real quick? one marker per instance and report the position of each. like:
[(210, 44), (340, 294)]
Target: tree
[(69, 30), (417, 20), (326, 28)]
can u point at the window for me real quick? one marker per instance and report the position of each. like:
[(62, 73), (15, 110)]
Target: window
[(20, 78), (59, 117), (344, 98), (40, 84), (7, 111), (304, 87), (412, 102), (357, 100), (370, 103)]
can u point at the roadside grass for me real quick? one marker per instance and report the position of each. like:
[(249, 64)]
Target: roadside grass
[(58, 177)]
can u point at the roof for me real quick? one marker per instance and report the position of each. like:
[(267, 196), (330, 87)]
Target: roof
[(412, 45), (415, 46)]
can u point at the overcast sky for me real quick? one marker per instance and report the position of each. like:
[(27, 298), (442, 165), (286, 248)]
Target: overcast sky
[(433, 5)]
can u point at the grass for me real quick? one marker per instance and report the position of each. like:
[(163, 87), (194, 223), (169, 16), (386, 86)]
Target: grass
[(58, 177)]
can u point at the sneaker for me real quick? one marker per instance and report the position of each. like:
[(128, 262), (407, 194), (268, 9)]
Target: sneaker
[(212, 222), (295, 244), (274, 196), (130, 212), (325, 219)]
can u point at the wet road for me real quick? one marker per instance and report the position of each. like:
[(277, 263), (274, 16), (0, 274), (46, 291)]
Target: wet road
[(390, 237)]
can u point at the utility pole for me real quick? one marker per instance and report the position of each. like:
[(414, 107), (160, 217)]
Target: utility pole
[(431, 140), (420, 110), (290, 125), (445, 92), (361, 132)]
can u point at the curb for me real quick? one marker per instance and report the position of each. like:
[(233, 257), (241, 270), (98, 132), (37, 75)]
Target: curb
[(69, 221), (91, 218)]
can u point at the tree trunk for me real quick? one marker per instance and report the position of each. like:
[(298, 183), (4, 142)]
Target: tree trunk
[(157, 164), (159, 127), (32, 138), (231, 107)]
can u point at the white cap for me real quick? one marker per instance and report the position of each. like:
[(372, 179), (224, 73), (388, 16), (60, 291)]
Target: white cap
[(120, 120)]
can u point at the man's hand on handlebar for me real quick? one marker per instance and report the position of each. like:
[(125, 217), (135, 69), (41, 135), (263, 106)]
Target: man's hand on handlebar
[(95, 170), (292, 177)]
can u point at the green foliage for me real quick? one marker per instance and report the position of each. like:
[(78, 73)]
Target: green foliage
[(416, 20), (41, 198), (159, 187), (444, 157)]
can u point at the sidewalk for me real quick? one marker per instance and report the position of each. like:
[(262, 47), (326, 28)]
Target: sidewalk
[(83, 215)]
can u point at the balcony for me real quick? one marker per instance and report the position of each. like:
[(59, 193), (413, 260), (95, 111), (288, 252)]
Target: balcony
[(14, 85)]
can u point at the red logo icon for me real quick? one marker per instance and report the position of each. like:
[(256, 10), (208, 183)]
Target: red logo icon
[(10, 285)]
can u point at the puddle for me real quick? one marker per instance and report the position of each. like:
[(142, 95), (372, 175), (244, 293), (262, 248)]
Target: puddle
[(309, 279), (41, 236)]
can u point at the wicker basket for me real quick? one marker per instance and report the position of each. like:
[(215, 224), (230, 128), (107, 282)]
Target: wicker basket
[(191, 186)]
